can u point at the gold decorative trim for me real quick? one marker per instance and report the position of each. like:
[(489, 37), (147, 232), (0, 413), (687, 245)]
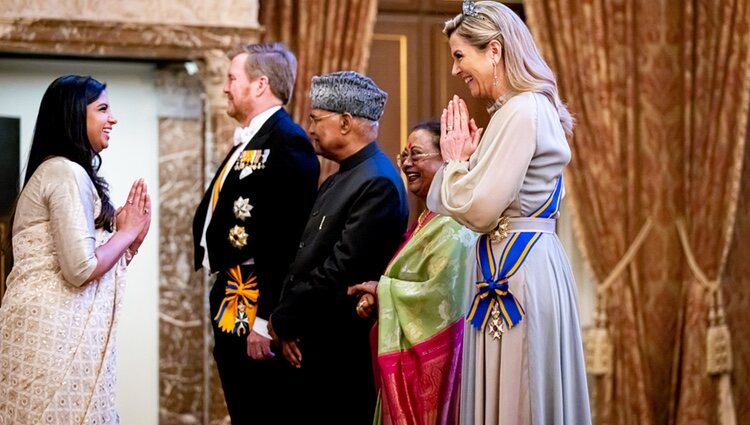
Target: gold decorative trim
[(443, 82), (403, 78)]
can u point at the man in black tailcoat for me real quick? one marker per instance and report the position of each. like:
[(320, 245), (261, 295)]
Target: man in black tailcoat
[(247, 228)]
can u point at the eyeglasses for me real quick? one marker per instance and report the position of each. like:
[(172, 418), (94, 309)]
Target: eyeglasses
[(315, 120), (414, 157)]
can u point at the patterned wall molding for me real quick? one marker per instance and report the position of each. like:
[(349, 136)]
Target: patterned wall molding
[(117, 39)]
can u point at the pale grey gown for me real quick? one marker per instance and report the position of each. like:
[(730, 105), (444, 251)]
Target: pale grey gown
[(535, 374), (57, 342)]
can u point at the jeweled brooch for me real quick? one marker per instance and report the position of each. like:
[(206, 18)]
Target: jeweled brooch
[(238, 237), (500, 231)]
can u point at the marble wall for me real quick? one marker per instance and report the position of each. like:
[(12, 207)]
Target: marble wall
[(189, 391), (227, 13), (182, 351)]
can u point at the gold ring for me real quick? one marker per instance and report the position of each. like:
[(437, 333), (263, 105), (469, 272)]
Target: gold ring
[(449, 128), (145, 210), (130, 202)]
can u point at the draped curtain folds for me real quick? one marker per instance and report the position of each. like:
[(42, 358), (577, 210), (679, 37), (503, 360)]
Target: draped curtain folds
[(717, 88), (595, 71), (660, 90), (326, 36)]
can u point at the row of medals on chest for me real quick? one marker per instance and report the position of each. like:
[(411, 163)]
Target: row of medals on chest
[(254, 158)]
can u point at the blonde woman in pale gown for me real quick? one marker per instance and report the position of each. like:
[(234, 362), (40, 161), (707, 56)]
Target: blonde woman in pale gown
[(523, 357), (70, 248)]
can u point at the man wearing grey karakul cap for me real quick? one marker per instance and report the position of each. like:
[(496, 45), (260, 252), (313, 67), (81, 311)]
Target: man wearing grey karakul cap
[(354, 228)]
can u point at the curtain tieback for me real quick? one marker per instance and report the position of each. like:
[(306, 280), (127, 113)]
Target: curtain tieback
[(597, 343), (718, 337)]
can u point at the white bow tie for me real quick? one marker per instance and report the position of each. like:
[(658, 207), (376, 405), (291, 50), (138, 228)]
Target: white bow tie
[(242, 135)]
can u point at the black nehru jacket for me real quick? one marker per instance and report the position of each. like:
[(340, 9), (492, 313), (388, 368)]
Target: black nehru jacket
[(354, 229)]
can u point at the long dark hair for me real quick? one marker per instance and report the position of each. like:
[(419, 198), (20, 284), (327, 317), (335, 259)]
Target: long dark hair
[(60, 130)]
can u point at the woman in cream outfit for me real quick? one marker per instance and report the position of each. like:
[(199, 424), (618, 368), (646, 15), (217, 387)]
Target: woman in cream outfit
[(523, 361), (59, 314)]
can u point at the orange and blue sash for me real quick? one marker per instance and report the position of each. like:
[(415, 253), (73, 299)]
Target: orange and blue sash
[(494, 288), (237, 310)]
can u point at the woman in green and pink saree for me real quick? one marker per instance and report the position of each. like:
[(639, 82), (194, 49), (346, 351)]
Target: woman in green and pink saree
[(421, 302)]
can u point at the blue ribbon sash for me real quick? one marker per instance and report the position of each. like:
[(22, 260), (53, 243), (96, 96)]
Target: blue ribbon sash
[(494, 288)]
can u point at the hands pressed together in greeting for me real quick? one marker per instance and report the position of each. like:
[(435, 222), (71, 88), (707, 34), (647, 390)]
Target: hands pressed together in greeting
[(135, 216), (459, 134)]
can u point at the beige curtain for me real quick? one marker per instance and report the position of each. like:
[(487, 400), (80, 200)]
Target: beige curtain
[(326, 36), (660, 91), (717, 88), (597, 71), (736, 283)]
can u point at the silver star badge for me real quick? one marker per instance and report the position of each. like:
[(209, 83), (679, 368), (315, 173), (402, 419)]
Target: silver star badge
[(242, 208)]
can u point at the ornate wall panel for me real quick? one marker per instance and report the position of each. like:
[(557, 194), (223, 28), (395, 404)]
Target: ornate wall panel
[(394, 67), (182, 351), (116, 39), (183, 320)]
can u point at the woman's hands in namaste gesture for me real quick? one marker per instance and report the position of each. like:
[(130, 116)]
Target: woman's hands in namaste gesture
[(135, 215), (459, 134)]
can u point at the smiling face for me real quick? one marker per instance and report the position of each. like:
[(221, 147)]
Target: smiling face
[(421, 160), (99, 122), (476, 67)]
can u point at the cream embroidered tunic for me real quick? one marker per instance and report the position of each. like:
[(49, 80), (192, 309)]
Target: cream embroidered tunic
[(57, 342)]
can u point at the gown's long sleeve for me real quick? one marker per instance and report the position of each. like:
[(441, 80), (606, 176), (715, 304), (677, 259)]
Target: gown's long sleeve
[(478, 191), (71, 195)]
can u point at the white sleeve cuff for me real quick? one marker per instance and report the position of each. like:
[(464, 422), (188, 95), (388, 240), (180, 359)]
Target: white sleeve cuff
[(261, 326), (456, 164)]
